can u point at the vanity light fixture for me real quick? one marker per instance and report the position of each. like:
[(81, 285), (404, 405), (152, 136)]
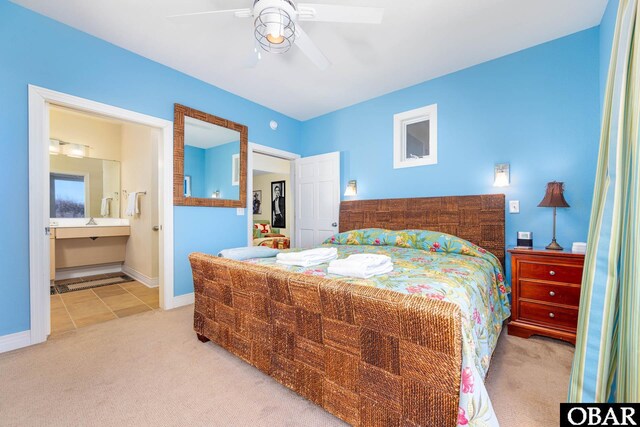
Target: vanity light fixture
[(54, 147), (69, 149), (75, 150), (501, 175), (352, 188)]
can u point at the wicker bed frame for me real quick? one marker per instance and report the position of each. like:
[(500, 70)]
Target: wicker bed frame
[(370, 356)]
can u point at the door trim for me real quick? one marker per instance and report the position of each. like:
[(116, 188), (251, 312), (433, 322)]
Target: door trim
[(39, 99), (269, 151)]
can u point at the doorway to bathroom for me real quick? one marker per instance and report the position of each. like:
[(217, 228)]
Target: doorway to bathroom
[(101, 228), (104, 218)]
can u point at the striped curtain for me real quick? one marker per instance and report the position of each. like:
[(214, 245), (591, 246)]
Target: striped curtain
[(607, 356)]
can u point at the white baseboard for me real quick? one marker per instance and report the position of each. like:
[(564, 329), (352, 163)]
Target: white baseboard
[(142, 278), (185, 299), (15, 341), (75, 272)]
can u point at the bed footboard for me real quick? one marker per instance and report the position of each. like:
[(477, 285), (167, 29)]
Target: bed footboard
[(371, 357)]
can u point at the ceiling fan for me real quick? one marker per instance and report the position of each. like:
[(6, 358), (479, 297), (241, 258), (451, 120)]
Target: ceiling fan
[(276, 24)]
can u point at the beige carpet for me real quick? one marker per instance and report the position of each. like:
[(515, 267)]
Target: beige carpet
[(150, 369)]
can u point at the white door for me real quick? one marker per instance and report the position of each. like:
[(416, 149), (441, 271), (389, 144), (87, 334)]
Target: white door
[(317, 198)]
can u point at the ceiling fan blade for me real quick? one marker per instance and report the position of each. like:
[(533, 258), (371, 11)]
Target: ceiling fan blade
[(240, 13), (335, 13), (309, 48)]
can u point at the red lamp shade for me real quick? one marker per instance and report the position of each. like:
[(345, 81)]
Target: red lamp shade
[(553, 197)]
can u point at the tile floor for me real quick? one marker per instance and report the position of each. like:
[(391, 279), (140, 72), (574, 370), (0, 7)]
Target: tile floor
[(76, 309)]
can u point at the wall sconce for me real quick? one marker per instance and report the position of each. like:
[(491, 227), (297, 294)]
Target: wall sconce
[(352, 188), (501, 175), (215, 194)]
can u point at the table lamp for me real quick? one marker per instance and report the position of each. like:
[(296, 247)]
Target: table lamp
[(553, 198)]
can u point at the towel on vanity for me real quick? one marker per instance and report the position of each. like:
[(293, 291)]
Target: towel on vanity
[(362, 266), (132, 204), (104, 206), (307, 258)]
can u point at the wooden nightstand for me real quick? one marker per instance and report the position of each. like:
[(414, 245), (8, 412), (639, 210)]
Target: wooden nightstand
[(545, 293)]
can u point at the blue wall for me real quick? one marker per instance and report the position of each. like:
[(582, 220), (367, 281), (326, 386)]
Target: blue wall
[(39, 51), (537, 109), (194, 167), (607, 28), (218, 165)]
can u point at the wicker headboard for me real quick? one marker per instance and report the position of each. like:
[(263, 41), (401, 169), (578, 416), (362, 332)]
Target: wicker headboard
[(478, 219)]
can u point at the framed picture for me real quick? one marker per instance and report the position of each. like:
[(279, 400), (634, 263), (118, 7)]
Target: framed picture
[(187, 186), (278, 204), (257, 202)]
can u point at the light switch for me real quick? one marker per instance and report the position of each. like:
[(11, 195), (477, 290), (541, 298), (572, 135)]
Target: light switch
[(514, 206), (240, 211)]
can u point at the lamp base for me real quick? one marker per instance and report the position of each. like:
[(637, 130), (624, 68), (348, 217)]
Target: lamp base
[(554, 246)]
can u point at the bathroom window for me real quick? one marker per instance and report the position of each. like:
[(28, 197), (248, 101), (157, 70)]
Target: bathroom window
[(67, 196)]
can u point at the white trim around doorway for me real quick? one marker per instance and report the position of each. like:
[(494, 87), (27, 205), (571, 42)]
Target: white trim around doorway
[(274, 152), (39, 100)]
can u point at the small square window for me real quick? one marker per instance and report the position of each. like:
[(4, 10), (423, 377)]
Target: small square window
[(415, 137)]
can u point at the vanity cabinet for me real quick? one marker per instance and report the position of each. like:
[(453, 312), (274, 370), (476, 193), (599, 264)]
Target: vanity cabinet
[(84, 246), (52, 255)]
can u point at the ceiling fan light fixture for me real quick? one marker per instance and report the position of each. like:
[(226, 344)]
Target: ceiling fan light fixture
[(275, 31), (275, 38)]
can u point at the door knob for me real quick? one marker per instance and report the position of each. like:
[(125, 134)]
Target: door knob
[(157, 227), (335, 224)]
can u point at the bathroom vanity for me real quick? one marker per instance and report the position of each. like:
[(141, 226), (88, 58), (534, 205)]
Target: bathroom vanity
[(74, 244)]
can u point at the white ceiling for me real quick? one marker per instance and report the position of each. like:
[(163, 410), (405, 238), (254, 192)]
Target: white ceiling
[(207, 135), (417, 41)]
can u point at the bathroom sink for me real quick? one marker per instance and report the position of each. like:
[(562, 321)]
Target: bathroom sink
[(82, 222)]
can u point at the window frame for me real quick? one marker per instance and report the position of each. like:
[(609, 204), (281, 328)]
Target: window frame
[(400, 123)]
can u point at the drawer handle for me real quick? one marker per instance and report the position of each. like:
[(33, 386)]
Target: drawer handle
[(551, 293), (552, 315), (553, 273)]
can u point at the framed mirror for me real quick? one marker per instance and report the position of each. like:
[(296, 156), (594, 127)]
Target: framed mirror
[(209, 160)]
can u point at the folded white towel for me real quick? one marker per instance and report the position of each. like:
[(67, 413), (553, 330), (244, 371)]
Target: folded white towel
[(307, 258), (371, 260), (351, 268), (132, 204), (104, 206)]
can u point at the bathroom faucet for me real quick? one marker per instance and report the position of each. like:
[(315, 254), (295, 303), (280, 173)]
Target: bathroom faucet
[(92, 221)]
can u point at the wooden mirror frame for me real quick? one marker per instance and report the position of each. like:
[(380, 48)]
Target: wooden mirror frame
[(179, 113)]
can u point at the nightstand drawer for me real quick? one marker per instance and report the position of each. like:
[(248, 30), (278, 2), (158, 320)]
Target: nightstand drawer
[(559, 317), (548, 292), (551, 272)]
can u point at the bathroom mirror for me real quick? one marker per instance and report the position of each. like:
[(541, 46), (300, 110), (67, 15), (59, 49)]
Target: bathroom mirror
[(210, 160), (83, 187)]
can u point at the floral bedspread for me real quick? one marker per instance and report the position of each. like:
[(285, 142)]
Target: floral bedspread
[(447, 268)]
